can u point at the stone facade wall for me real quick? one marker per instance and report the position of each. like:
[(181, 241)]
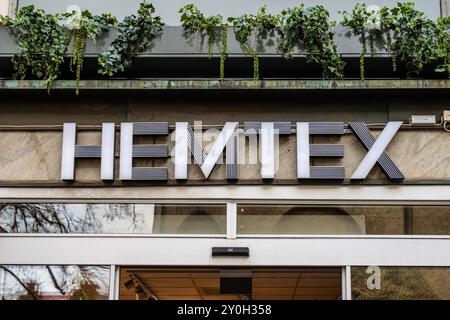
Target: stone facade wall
[(31, 129), (35, 156)]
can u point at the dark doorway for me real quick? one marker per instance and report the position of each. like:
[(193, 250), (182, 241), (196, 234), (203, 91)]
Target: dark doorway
[(147, 283)]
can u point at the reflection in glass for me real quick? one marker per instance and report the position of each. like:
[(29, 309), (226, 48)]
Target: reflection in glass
[(112, 218), (343, 220), (401, 283), (190, 219), (54, 282)]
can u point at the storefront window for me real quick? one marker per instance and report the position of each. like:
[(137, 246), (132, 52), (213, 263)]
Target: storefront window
[(190, 219), (400, 283), (112, 218), (54, 282), (343, 220)]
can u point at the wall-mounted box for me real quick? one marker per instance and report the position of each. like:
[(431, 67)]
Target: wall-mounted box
[(446, 115), (423, 119)]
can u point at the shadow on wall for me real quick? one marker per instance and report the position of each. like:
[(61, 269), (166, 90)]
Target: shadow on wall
[(168, 9)]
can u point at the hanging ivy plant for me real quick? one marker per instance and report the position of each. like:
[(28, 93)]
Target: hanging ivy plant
[(386, 28), (357, 21), (134, 34), (414, 41), (311, 28), (42, 43), (193, 20), (248, 24), (412, 38), (81, 25), (443, 36)]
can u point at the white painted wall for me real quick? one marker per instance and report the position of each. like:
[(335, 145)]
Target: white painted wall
[(4, 7), (168, 9), (196, 251)]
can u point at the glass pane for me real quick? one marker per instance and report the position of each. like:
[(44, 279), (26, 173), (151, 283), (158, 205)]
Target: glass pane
[(112, 218), (54, 282), (344, 220), (399, 283), (190, 219)]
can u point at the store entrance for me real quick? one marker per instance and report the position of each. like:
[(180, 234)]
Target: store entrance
[(150, 283)]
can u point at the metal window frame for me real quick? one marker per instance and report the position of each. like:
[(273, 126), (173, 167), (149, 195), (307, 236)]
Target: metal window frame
[(346, 283), (420, 250), (231, 218)]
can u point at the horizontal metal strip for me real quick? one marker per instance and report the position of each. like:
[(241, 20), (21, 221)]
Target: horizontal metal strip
[(375, 194), (282, 127), (150, 128), (326, 128), (151, 174), (150, 151), (326, 150), (327, 172), (88, 151), (231, 84)]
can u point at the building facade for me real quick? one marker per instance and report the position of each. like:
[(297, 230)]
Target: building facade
[(168, 183)]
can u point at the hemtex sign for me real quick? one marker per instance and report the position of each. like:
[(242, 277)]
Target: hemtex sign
[(187, 145)]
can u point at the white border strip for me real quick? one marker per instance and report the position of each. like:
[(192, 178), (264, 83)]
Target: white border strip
[(339, 193), (197, 251)]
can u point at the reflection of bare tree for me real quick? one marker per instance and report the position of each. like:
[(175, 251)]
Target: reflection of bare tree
[(67, 218), (50, 282), (121, 211), (63, 218), (27, 288), (55, 281), (39, 218)]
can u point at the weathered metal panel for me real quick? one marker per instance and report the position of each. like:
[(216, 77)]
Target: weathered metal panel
[(150, 128), (149, 174), (230, 84), (150, 151), (88, 151)]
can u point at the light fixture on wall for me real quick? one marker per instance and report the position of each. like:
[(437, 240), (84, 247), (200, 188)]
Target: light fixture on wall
[(230, 252)]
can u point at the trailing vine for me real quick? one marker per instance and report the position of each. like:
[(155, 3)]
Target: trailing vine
[(81, 25), (386, 22), (357, 21), (312, 28), (42, 43), (410, 35), (223, 52), (248, 24), (193, 20), (134, 34), (414, 41), (443, 35)]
